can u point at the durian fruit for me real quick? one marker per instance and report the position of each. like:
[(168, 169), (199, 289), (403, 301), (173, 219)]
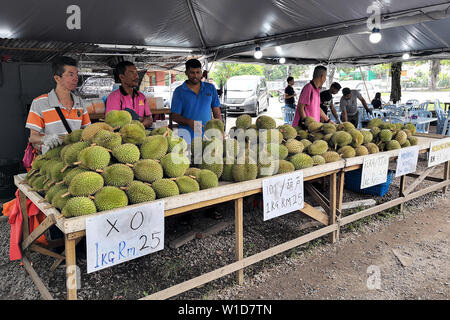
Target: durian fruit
[(357, 137), (140, 125), (277, 151), (127, 153), (214, 128), (54, 153), (227, 174), (392, 145), (318, 147), (408, 132), (138, 191), (230, 149), (265, 122), (270, 136), (305, 143), (318, 160), (71, 154), (207, 179), (294, 146), (266, 165), (163, 131), (314, 136), (327, 137), (372, 148), (86, 183), (347, 152), (341, 138), (385, 135), (175, 164), (187, 184), (287, 131), (176, 144), (375, 131), (148, 170), (302, 134), (197, 150), (38, 183), (166, 188), (58, 201), (118, 118), (94, 158), (55, 172), (90, 131), (54, 190), (37, 163), (345, 126), (132, 133), (246, 168), (192, 172), (243, 121), (328, 128), (361, 151), (71, 173), (109, 198), (401, 137), (406, 144), (107, 139), (376, 122), (285, 166), (315, 126), (367, 135), (331, 156), (413, 141), (309, 120), (301, 161), (118, 175), (154, 147), (74, 136), (79, 206)]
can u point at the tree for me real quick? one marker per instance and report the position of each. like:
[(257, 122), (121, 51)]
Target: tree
[(396, 89), (435, 69), (223, 71)]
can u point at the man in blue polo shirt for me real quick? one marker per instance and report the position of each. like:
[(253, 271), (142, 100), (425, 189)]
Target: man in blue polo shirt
[(193, 101)]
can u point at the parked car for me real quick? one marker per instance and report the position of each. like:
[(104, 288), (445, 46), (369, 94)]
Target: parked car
[(246, 94)]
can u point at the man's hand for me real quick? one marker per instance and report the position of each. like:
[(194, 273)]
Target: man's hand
[(51, 140)]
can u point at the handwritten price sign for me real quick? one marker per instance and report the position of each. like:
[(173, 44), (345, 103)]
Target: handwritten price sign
[(123, 235), (374, 170), (407, 161), (283, 194), (439, 152)]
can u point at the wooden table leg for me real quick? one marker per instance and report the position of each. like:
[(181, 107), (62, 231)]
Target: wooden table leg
[(71, 269), (23, 208), (446, 174), (239, 234), (402, 189), (340, 187), (332, 212)]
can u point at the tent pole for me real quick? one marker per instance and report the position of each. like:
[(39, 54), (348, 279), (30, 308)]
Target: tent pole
[(364, 80)]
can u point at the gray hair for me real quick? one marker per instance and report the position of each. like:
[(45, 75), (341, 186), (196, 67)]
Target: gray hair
[(319, 71)]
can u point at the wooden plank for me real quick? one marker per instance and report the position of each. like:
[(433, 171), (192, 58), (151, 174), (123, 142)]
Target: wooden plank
[(415, 175), (402, 190), (71, 266), (239, 234), (59, 261), (40, 229), (446, 174), (45, 251), (315, 214), (76, 235), (419, 180), (37, 281), (429, 135), (317, 196), (332, 208), (185, 238), (340, 195), (23, 208), (233, 267), (392, 203)]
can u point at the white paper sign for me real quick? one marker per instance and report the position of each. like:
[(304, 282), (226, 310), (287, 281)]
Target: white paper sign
[(283, 194), (439, 152), (374, 170), (124, 235), (407, 160)]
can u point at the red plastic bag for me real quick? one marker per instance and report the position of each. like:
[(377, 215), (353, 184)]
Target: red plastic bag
[(28, 158)]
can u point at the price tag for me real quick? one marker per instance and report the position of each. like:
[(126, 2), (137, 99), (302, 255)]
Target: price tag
[(407, 161), (374, 170), (439, 152), (283, 194), (124, 235)]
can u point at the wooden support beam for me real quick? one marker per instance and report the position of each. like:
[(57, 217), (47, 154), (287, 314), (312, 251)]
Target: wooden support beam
[(23, 208), (415, 175), (315, 214), (239, 234), (71, 264), (402, 189), (47, 223), (340, 195), (59, 261), (334, 236), (446, 174), (419, 180), (37, 281), (45, 251), (323, 202), (238, 265)]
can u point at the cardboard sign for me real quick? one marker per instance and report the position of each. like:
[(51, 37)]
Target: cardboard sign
[(123, 235), (407, 161), (439, 152), (283, 194), (374, 170)]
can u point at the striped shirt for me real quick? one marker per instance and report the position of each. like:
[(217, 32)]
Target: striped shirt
[(44, 118)]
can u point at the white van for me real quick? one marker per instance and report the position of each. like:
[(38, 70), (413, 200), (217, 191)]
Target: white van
[(246, 94)]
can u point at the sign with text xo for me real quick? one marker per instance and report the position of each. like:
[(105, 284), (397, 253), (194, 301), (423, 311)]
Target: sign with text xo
[(283, 194), (374, 170), (439, 152), (124, 234)]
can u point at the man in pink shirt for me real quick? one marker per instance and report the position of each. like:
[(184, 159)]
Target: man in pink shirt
[(309, 101), (127, 96)]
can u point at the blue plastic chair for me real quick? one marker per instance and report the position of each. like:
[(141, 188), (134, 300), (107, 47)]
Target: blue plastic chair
[(446, 127), (392, 120), (377, 114), (288, 115)]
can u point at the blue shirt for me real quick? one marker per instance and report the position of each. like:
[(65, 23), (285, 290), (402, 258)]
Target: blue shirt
[(195, 107)]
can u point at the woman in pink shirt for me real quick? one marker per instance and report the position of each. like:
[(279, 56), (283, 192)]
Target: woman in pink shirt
[(309, 100)]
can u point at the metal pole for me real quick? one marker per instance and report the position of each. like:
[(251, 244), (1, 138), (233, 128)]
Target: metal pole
[(364, 80)]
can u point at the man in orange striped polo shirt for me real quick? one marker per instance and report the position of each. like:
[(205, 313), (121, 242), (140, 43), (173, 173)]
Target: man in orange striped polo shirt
[(46, 127)]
